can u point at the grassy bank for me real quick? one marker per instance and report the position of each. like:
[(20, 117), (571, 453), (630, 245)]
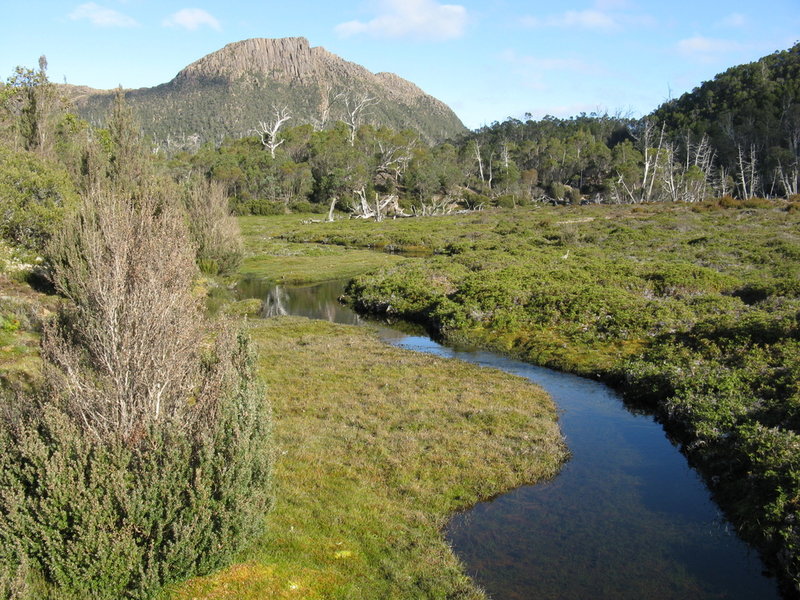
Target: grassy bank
[(692, 309), (22, 313), (268, 256), (376, 447)]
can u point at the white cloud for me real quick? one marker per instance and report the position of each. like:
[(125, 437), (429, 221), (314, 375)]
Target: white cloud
[(733, 20), (101, 16), (411, 18), (700, 45), (584, 19), (192, 18), (605, 15), (589, 19)]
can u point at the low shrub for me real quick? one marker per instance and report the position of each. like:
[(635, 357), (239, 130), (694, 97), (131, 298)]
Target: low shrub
[(257, 206), (144, 458), (36, 196), (114, 519), (215, 232)]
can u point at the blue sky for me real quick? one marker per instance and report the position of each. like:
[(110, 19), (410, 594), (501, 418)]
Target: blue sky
[(488, 60)]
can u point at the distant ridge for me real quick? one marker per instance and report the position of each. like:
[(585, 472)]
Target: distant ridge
[(226, 93)]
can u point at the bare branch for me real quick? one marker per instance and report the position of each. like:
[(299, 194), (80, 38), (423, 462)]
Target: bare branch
[(354, 107), (268, 130)]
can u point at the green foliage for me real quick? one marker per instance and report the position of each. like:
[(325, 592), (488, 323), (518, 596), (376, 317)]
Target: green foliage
[(36, 195), (568, 161), (695, 314), (107, 519), (755, 105), (31, 100)]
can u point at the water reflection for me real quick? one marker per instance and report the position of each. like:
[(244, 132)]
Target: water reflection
[(625, 519)]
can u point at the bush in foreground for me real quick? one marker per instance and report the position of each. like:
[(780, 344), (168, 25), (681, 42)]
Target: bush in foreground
[(144, 459)]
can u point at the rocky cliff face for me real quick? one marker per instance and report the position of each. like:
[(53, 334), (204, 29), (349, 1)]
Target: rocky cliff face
[(228, 91), (285, 59)]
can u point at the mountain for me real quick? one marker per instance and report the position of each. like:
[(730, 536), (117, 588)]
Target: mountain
[(227, 93)]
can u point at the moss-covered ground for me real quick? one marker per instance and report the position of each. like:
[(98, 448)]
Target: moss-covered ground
[(693, 310), (22, 312), (268, 256)]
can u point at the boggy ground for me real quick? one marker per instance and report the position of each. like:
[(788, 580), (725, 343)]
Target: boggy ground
[(376, 446), (693, 310)]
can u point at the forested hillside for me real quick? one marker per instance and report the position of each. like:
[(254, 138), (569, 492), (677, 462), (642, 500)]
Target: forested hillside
[(737, 136), (750, 115)]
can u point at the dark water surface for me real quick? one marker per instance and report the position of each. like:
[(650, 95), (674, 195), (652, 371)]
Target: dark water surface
[(626, 518)]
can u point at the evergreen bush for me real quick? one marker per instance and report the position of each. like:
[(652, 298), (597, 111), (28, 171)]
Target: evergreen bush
[(144, 459)]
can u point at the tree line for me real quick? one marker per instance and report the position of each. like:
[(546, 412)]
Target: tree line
[(738, 136)]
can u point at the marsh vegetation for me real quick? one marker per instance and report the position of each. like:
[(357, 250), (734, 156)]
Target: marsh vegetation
[(137, 435)]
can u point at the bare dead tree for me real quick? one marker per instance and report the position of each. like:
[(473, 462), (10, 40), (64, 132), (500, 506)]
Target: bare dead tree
[(686, 180), (479, 159), (505, 155), (723, 181), (748, 172), (393, 158), (354, 108), (383, 206), (438, 205), (268, 130), (652, 159), (325, 104), (789, 177)]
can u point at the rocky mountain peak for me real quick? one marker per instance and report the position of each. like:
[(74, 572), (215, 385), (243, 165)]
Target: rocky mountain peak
[(227, 92), (282, 59)]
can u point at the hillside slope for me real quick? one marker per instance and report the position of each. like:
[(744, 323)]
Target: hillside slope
[(228, 92)]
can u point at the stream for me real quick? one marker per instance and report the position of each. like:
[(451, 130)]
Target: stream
[(626, 518)]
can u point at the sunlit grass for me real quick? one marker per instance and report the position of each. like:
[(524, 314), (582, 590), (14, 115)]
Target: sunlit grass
[(269, 257), (376, 446), (21, 311)]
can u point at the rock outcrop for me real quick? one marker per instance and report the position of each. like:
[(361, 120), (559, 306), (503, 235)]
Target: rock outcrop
[(227, 92)]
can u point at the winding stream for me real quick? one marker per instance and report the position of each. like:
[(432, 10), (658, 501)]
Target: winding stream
[(625, 519)]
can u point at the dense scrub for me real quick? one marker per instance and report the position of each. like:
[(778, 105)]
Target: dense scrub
[(143, 457), (693, 311), (36, 195), (140, 453)]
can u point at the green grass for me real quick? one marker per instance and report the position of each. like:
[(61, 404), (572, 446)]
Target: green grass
[(270, 257), (376, 447), (22, 311), (693, 310)]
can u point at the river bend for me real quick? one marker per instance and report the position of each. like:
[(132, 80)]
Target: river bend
[(626, 518)]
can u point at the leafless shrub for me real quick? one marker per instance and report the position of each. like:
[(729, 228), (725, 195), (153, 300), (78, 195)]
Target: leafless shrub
[(124, 351), (214, 231)]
